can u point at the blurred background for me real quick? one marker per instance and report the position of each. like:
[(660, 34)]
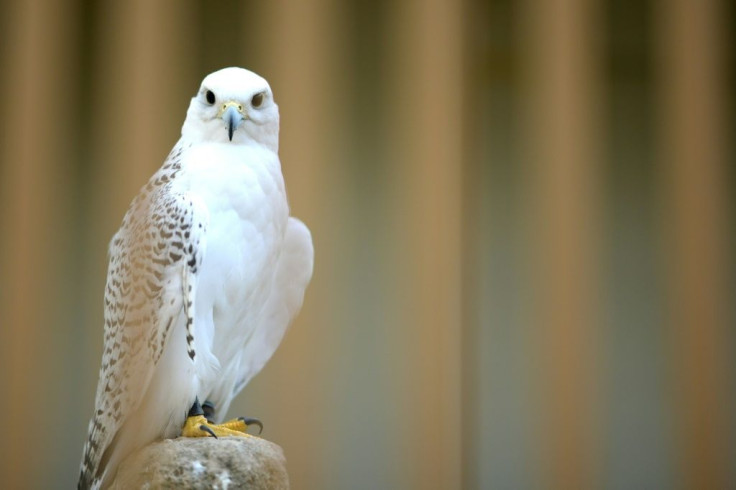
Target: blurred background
[(523, 216)]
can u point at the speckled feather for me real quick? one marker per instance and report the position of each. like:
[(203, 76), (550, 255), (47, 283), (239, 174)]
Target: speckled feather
[(159, 352), (159, 240)]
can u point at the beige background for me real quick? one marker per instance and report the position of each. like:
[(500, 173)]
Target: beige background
[(523, 215)]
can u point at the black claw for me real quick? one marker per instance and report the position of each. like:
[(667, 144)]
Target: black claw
[(209, 411), (207, 429), (196, 409), (251, 421)]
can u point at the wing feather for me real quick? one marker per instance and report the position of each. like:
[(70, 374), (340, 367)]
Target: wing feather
[(153, 260), (292, 274)]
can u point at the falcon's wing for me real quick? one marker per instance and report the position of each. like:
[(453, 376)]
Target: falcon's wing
[(153, 261), (292, 275)]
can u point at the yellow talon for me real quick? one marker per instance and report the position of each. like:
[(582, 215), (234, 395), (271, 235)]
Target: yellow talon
[(197, 426)]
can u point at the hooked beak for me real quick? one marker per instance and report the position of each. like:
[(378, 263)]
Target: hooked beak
[(232, 113)]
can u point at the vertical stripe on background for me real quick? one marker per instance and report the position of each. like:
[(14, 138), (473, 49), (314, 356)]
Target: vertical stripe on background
[(425, 136), (474, 246), (693, 144), (561, 142), (34, 187), (138, 111)]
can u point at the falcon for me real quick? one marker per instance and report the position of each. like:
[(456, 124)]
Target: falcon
[(205, 274)]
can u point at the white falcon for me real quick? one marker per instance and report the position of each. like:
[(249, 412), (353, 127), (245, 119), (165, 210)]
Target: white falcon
[(206, 272)]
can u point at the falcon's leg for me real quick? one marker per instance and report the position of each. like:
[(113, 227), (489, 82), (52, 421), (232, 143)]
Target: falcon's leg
[(209, 411), (198, 423)]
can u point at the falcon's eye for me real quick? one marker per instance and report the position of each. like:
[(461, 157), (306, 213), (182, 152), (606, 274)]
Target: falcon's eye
[(210, 96), (257, 100)]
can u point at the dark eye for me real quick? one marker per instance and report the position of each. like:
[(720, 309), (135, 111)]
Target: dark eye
[(210, 96), (257, 100)]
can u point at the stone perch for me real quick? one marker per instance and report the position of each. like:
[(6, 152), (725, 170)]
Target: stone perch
[(227, 462)]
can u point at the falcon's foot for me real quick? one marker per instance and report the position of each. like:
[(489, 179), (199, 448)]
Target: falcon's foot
[(198, 425)]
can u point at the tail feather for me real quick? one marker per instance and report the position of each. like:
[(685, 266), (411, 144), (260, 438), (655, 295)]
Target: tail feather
[(89, 473)]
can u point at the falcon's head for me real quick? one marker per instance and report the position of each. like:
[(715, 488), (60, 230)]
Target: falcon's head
[(233, 106)]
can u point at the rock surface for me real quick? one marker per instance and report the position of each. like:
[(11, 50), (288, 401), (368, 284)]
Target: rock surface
[(227, 462)]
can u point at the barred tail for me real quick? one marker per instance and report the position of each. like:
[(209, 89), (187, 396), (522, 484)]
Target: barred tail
[(89, 477)]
